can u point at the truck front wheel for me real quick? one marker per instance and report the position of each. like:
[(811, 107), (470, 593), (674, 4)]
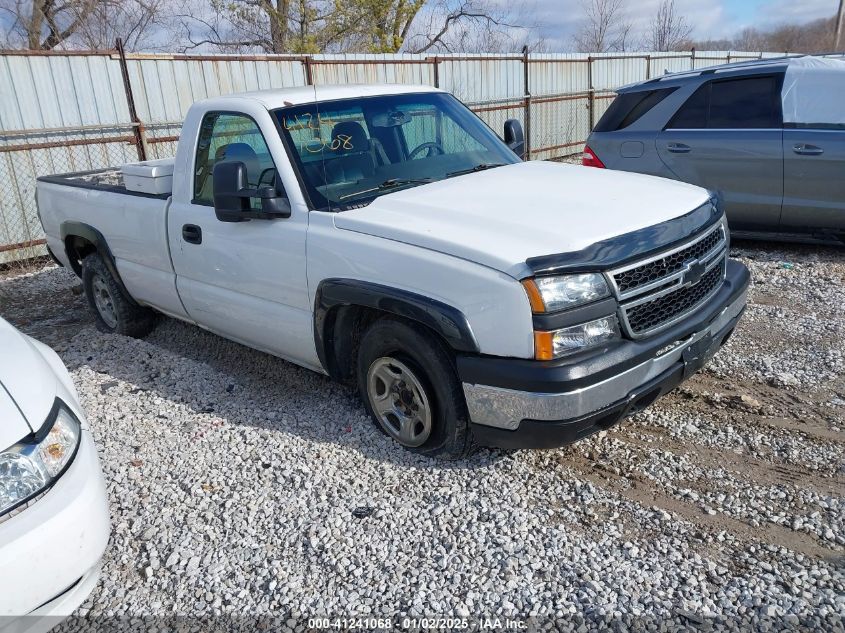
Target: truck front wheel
[(409, 387), (113, 312)]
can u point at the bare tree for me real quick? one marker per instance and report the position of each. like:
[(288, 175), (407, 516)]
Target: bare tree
[(375, 26), (43, 24), (471, 25), (812, 37), (748, 39), (299, 26), (605, 27), (271, 26), (67, 24), (371, 26), (669, 30), (141, 24)]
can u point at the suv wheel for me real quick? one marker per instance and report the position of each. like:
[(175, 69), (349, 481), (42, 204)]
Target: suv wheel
[(113, 311), (409, 387)]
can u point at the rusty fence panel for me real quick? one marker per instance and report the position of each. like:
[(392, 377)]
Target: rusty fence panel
[(58, 113), (26, 155), (65, 111)]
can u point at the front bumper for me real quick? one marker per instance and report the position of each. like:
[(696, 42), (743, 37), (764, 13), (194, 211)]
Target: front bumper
[(50, 552), (517, 403)]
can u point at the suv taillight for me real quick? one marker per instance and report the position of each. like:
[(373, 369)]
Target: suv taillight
[(589, 158)]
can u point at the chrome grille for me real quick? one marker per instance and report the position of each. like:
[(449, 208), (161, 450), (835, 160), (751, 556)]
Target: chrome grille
[(656, 292), (650, 314), (652, 271)]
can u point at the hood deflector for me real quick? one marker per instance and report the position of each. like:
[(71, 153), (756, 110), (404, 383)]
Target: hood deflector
[(631, 246)]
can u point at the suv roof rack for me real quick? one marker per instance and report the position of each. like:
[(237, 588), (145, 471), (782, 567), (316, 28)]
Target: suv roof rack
[(738, 65)]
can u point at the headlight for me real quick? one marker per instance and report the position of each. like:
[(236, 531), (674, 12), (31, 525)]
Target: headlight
[(548, 294), (557, 343), (35, 463)]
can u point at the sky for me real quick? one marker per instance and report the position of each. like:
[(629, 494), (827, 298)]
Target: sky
[(558, 20)]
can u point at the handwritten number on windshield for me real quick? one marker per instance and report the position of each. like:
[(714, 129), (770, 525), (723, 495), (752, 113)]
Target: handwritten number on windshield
[(308, 121), (316, 145)]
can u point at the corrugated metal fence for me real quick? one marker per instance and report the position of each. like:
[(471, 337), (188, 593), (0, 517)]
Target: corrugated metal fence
[(72, 111)]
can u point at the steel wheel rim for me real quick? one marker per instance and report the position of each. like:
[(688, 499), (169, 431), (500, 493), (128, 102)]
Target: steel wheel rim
[(104, 301), (399, 401)]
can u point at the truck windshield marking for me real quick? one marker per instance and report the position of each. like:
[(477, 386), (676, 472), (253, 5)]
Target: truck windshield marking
[(363, 147)]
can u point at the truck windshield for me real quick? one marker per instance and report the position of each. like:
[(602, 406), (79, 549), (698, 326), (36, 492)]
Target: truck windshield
[(351, 151)]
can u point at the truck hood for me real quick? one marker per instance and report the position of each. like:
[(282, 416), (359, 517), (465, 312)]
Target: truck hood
[(503, 216), (28, 389)]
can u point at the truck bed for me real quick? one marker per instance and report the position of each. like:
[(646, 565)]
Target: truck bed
[(132, 224), (109, 179)]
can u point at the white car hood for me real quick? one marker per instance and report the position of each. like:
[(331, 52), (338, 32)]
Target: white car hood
[(503, 216), (13, 427), (28, 389)]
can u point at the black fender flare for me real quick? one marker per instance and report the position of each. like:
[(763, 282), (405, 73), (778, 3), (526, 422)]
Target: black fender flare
[(447, 321), (87, 232)]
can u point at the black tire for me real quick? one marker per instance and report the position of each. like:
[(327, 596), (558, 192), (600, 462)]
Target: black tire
[(115, 313), (414, 348)]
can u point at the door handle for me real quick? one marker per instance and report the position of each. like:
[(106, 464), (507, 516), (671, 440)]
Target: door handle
[(678, 148), (806, 149), (192, 233)]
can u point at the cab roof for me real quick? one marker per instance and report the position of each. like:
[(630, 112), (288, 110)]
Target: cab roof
[(279, 98)]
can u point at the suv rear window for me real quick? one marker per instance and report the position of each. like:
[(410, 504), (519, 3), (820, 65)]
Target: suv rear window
[(630, 106), (749, 102)]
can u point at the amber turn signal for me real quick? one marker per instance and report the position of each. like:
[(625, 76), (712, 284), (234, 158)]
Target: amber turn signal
[(544, 346), (534, 296)]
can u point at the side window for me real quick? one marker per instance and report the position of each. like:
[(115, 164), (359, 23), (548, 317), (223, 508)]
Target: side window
[(225, 136), (627, 107), (693, 114), (743, 103), (750, 102)]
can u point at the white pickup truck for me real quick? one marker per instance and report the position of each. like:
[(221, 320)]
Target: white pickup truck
[(385, 236)]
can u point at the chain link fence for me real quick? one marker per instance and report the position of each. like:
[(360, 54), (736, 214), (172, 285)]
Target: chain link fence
[(25, 156)]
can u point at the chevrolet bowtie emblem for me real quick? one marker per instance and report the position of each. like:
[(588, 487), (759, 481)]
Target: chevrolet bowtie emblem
[(693, 273)]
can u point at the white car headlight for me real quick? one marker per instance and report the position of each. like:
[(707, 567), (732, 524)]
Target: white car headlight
[(35, 463), (549, 294), (557, 343)]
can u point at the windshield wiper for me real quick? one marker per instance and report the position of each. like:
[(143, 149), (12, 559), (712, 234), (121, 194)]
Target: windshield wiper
[(478, 167), (388, 184)]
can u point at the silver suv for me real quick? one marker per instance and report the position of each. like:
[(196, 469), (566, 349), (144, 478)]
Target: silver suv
[(724, 128)]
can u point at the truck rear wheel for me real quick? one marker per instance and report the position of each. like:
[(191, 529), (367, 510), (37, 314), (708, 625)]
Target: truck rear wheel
[(409, 387), (113, 311)]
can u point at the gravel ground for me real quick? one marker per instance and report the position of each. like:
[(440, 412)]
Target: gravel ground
[(241, 485)]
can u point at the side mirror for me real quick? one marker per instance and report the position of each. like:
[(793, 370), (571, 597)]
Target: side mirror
[(514, 137), (232, 196)]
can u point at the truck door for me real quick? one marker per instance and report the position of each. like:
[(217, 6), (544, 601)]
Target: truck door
[(243, 280), (727, 137)]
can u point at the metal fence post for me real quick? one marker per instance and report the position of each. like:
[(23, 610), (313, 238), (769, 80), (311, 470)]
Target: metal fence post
[(137, 126), (648, 66), (692, 58), (309, 77), (436, 68), (527, 96), (591, 95)]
